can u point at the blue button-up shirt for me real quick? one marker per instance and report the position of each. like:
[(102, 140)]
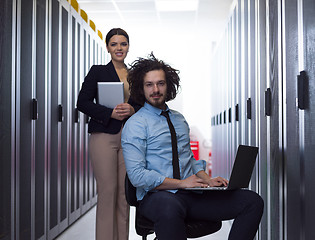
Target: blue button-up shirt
[(147, 149)]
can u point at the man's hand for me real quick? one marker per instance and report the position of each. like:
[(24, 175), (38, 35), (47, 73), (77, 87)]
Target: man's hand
[(212, 182), (122, 111), (193, 181), (218, 182), (201, 179)]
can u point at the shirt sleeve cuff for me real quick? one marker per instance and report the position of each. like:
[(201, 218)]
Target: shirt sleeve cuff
[(198, 166), (153, 181)]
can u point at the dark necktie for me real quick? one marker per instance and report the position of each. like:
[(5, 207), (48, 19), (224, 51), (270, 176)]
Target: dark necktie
[(175, 162)]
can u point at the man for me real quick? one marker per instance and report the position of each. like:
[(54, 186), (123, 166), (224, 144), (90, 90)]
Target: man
[(160, 180)]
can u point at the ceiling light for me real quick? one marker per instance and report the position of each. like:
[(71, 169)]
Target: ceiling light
[(176, 5)]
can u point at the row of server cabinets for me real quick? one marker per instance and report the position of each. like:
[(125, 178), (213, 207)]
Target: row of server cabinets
[(46, 177), (264, 73)]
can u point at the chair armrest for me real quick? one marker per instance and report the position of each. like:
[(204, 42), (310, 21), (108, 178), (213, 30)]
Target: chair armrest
[(130, 192)]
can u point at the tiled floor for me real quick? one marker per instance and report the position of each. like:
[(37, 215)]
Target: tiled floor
[(84, 228)]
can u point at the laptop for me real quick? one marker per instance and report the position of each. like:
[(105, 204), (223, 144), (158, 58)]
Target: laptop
[(110, 94), (242, 169)]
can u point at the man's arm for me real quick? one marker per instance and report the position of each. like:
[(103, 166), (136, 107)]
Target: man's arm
[(134, 147), (192, 181), (201, 179)]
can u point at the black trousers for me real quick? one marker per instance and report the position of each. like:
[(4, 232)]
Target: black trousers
[(168, 211)]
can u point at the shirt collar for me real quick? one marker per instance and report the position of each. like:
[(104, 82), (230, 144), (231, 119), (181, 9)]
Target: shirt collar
[(154, 109)]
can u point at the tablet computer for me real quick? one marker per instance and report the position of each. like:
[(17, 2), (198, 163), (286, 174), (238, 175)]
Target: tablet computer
[(110, 94)]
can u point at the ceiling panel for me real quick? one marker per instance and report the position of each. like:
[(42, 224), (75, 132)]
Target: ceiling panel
[(147, 15), (91, 7), (178, 17), (211, 14), (105, 15), (136, 6), (214, 9)]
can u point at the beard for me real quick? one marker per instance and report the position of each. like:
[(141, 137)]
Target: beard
[(159, 102)]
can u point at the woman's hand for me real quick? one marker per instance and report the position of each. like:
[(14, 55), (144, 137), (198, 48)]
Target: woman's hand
[(122, 111)]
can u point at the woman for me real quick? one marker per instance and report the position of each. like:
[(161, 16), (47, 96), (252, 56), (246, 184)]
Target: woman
[(112, 215)]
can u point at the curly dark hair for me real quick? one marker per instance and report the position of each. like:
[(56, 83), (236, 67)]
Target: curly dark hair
[(140, 67)]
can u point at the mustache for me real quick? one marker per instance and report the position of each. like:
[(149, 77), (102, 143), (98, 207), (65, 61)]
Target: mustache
[(156, 94)]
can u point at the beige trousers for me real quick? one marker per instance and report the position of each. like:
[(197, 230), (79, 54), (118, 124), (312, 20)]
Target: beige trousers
[(112, 214)]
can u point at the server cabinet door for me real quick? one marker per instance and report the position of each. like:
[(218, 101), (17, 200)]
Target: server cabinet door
[(261, 129), (59, 120), (308, 164), (74, 209), (274, 142), (299, 149), (83, 146), (53, 196), (40, 114), (7, 117), (251, 101), (234, 77), (24, 123), (84, 127), (88, 175), (31, 133), (244, 73), (292, 178), (91, 58), (239, 82), (64, 124)]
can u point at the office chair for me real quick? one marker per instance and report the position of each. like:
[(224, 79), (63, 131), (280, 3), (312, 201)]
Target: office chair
[(144, 226)]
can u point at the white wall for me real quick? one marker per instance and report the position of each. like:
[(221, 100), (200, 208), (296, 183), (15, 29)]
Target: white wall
[(188, 51)]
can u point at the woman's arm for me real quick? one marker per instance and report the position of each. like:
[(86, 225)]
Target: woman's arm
[(87, 95)]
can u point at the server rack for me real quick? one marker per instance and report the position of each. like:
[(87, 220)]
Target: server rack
[(46, 175), (275, 83)]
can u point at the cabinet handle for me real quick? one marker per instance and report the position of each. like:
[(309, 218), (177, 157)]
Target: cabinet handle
[(230, 115), (302, 89), (224, 117), (236, 112), (249, 108), (268, 102), (60, 113), (87, 118), (34, 109), (76, 115)]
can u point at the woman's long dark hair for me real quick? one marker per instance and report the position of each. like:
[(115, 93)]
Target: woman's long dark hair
[(140, 67)]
